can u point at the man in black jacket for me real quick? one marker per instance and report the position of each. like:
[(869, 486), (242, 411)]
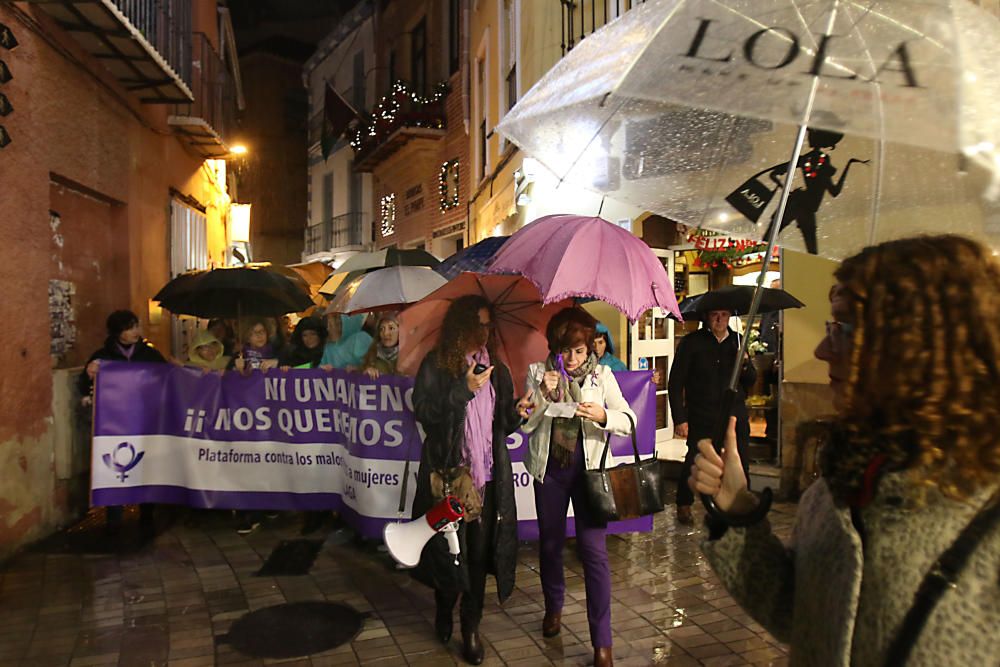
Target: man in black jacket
[(698, 380)]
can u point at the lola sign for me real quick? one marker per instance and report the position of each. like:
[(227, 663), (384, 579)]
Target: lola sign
[(777, 47)]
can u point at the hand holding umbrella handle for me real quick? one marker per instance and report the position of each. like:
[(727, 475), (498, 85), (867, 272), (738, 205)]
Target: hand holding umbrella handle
[(766, 496)]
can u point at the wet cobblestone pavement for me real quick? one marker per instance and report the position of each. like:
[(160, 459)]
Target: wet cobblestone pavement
[(172, 601)]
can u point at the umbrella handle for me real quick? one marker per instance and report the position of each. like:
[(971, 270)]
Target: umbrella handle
[(766, 497), (740, 520)]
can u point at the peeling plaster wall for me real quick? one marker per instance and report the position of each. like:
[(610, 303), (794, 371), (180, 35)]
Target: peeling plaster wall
[(82, 143)]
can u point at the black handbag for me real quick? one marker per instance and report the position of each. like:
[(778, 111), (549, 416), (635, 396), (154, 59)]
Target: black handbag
[(751, 198), (628, 490)]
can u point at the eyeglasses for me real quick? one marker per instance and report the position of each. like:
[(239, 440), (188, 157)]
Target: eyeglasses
[(486, 325), (839, 332)]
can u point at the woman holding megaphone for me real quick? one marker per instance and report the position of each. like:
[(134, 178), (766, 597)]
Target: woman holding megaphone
[(464, 399)]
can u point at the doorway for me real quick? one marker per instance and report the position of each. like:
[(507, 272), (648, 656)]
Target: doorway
[(651, 347)]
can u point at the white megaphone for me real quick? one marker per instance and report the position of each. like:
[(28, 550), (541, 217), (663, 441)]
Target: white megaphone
[(405, 541)]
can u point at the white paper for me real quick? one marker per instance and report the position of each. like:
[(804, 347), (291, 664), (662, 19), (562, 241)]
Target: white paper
[(561, 410)]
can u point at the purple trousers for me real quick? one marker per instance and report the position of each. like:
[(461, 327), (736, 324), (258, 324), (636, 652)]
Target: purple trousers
[(552, 503)]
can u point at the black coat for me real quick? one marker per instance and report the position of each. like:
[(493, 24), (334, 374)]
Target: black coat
[(439, 401), (699, 377), (110, 352)]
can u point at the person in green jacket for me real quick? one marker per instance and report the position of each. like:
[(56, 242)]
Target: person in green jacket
[(384, 350), (347, 342)]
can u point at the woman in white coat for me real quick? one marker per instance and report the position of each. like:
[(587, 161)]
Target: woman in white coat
[(559, 451)]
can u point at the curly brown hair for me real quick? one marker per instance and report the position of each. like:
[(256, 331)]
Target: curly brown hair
[(924, 384), (460, 331)]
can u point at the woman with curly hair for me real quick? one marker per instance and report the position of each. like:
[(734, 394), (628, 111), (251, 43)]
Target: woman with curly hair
[(464, 399), (914, 365)]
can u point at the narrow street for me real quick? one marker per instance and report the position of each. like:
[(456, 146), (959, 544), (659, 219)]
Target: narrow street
[(174, 601)]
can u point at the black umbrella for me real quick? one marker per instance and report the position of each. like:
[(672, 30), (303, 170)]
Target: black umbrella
[(234, 292), (737, 299)]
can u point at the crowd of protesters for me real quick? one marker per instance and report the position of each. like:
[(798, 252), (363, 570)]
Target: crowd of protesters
[(896, 550)]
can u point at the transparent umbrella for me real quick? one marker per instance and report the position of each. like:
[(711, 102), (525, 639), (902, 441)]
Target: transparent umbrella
[(692, 108), (853, 121)]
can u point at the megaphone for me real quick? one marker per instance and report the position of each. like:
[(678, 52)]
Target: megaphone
[(405, 541)]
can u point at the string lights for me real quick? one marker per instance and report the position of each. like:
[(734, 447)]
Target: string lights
[(388, 217), (415, 110), (448, 185)]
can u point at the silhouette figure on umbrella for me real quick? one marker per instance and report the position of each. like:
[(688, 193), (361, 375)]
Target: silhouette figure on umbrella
[(817, 177)]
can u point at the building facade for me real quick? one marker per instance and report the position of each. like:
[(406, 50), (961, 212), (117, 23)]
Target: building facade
[(415, 140), (340, 214), (271, 176), (114, 181)]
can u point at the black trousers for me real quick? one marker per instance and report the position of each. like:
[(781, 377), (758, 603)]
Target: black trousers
[(698, 432), (480, 537)]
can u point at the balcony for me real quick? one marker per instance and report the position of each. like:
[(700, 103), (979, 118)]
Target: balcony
[(209, 119), (582, 17), (342, 232), (400, 117), (145, 44)]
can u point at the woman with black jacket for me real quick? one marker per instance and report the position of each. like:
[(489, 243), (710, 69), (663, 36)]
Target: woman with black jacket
[(467, 417), (305, 349), (124, 343)]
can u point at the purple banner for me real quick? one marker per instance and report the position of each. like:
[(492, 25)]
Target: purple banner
[(296, 440)]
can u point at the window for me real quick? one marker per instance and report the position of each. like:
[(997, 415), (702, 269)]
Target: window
[(481, 105), (189, 238), (392, 68), (327, 202), (357, 191), (388, 215), (454, 35), (448, 179), (358, 84), (418, 58), (509, 46)]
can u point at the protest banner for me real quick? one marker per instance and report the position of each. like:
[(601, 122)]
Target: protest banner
[(296, 440)]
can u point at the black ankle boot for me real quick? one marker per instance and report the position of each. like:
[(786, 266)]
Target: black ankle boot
[(472, 647), (443, 623)]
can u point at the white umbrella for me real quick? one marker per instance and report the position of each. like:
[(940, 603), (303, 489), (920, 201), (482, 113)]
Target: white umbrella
[(385, 289)]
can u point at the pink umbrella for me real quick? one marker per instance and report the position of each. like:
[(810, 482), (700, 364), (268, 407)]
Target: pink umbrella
[(518, 314), (575, 256)]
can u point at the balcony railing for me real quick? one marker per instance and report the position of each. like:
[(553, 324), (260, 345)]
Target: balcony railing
[(209, 120), (145, 44), (166, 25), (341, 231), (582, 17), (399, 116)]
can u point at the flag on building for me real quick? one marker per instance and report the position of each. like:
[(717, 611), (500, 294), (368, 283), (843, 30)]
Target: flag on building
[(338, 114)]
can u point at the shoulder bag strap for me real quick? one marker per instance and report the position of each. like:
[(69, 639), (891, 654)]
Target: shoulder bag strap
[(943, 575), (402, 487), (607, 444)]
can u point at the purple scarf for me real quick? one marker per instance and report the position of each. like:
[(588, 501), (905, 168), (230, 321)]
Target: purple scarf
[(477, 449)]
